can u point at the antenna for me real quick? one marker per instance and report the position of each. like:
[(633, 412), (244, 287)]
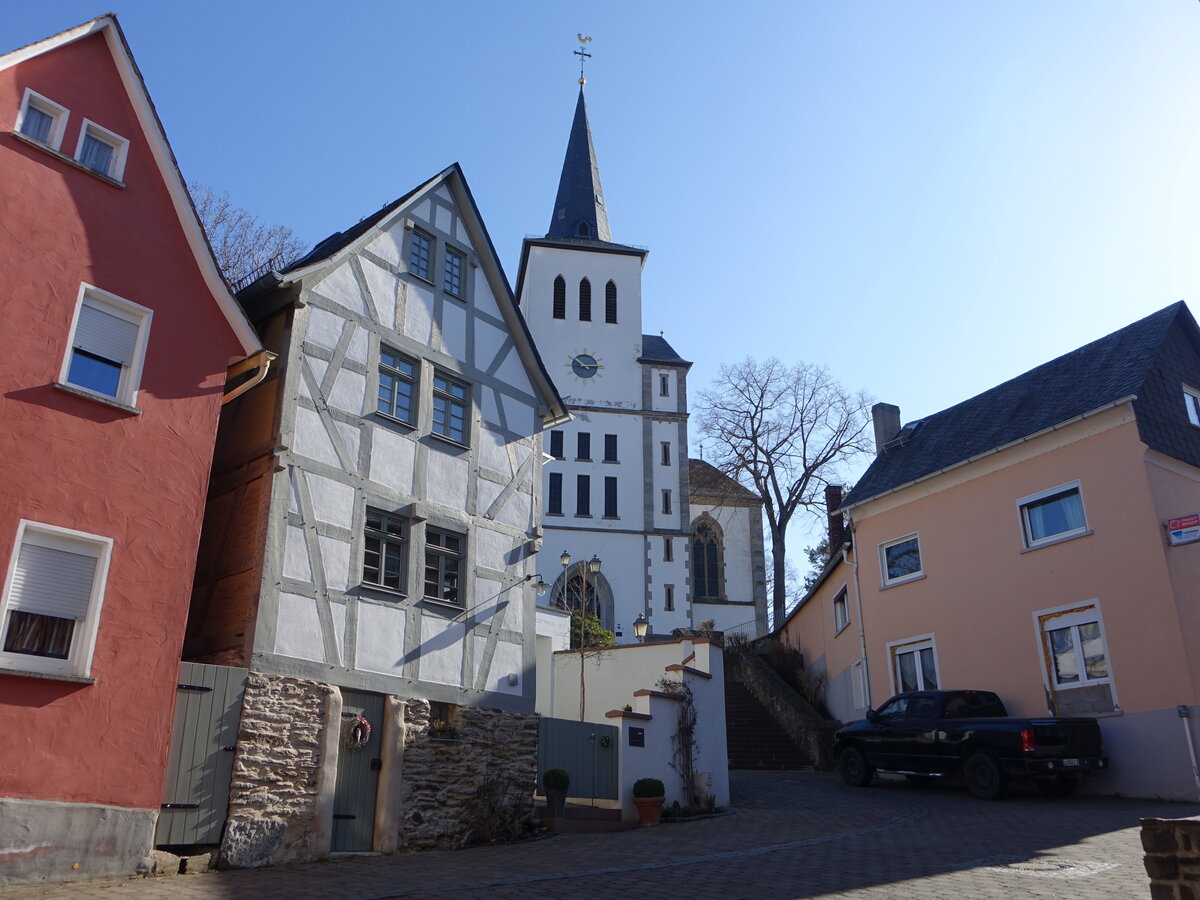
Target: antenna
[(583, 55)]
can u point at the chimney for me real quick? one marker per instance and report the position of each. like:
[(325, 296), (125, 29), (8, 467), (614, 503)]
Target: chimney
[(887, 424), (837, 528)]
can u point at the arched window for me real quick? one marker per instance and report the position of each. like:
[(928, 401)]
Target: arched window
[(585, 300), (560, 298), (583, 229), (610, 303), (708, 563), (583, 590)]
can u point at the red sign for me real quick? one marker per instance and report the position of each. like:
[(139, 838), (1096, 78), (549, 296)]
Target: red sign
[(1183, 522)]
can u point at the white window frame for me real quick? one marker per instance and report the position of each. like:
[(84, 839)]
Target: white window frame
[(58, 115), (131, 375), (83, 641), (883, 567), (119, 144), (1073, 614), (1191, 400), (912, 645), (1023, 516), (839, 626)]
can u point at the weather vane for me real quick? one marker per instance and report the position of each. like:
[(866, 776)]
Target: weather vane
[(583, 55)]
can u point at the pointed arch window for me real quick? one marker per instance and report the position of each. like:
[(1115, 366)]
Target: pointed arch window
[(583, 590), (585, 300), (560, 298), (708, 559), (610, 303), (584, 231)]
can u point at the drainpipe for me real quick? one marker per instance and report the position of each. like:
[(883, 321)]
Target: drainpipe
[(862, 630), (1187, 731), (262, 359)]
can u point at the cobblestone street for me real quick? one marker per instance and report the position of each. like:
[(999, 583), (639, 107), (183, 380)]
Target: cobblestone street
[(791, 834)]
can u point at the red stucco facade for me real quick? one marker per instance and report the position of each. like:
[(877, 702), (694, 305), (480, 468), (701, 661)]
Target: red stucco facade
[(78, 463)]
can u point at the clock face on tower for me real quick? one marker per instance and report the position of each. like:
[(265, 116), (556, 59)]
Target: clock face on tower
[(585, 366)]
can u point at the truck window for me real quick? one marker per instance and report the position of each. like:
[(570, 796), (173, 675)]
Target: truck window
[(893, 709), (922, 708)]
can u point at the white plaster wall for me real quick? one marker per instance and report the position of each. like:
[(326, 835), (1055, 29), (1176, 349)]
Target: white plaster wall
[(340, 286), (658, 402), (298, 628), (663, 573), (311, 439), (333, 502), (736, 524), (446, 480), (380, 638), (628, 470), (666, 477), (616, 347), (622, 564), (441, 650)]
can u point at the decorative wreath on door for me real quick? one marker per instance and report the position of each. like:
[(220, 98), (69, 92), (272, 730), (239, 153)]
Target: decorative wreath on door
[(358, 733)]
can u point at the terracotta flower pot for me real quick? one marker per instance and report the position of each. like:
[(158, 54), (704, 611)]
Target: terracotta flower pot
[(649, 809)]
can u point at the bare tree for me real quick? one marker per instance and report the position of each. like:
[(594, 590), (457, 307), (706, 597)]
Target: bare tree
[(785, 433), (242, 243)]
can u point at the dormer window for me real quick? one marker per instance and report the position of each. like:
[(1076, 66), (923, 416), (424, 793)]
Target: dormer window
[(1191, 399), (101, 150), (41, 120)]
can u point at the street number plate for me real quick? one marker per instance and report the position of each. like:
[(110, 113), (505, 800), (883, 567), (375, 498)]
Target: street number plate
[(1070, 762)]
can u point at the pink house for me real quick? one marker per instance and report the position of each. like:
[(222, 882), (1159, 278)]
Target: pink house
[(119, 330), (1039, 540)]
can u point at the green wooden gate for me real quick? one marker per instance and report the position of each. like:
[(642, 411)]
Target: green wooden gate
[(357, 775), (208, 708), (586, 750)]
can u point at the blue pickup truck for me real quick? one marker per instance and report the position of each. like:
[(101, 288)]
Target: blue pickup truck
[(968, 736)]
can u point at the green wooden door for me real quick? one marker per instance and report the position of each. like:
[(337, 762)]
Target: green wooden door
[(357, 775)]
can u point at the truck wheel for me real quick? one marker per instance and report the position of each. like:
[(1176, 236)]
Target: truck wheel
[(984, 778), (856, 771), (1057, 785)]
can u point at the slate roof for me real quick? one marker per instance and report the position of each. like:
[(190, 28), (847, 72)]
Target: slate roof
[(580, 196), (655, 349), (1082, 381), (705, 478)]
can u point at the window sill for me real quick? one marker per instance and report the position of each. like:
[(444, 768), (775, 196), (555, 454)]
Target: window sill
[(1050, 542), (556, 515), (840, 630), (583, 459), (99, 398), (387, 592), (47, 676), (449, 440), (899, 581), (611, 462), (420, 278), (612, 518), (583, 515), (69, 160), (443, 604), (454, 296), (392, 420)]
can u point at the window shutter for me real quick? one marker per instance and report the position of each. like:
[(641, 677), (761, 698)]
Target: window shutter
[(53, 582), (106, 335)]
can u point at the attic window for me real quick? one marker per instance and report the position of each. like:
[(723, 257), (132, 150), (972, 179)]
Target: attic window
[(41, 119), (1191, 399), (101, 150)]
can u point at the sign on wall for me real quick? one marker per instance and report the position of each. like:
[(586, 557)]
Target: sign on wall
[(1184, 529)]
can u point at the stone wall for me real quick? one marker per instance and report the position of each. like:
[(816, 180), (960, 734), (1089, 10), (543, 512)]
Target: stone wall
[(277, 786), (1172, 858), (442, 775)]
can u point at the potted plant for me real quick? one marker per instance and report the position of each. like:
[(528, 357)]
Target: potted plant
[(555, 782), (648, 796)]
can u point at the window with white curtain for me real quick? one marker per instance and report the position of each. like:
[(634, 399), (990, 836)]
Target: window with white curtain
[(107, 346), (1052, 515), (914, 664), (52, 599), (41, 119), (101, 150)]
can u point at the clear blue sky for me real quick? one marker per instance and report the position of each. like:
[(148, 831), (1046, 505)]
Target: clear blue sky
[(928, 197)]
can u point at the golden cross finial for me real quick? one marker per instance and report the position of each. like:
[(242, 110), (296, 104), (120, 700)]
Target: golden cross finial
[(583, 55)]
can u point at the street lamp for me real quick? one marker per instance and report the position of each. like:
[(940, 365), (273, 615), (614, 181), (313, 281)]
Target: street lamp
[(641, 625)]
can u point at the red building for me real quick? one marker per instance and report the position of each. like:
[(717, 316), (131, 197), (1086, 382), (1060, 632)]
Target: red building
[(119, 333)]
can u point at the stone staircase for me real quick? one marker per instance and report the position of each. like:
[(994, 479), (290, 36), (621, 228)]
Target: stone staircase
[(753, 738)]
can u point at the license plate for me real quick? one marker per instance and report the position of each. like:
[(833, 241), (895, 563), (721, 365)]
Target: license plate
[(1070, 762)]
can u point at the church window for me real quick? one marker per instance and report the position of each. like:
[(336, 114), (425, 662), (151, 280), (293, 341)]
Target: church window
[(584, 448), (579, 592), (451, 403), (585, 300), (610, 303), (584, 231), (443, 562), (666, 453), (610, 497), (707, 559), (583, 495), (385, 550), (666, 503), (610, 448), (669, 598), (556, 444), (452, 280), (664, 385), (554, 500), (560, 298), (397, 378), (419, 247)]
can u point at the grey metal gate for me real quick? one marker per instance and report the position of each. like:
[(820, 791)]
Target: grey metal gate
[(357, 775), (586, 750), (208, 708)]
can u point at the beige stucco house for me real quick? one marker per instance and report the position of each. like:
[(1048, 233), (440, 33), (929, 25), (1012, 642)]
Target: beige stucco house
[(1035, 541)]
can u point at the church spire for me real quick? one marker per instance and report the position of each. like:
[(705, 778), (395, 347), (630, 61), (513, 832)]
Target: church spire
[(579, 207)]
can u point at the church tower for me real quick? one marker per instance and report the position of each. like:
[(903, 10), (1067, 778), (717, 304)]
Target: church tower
[(616, 488)]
